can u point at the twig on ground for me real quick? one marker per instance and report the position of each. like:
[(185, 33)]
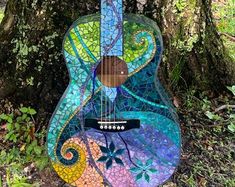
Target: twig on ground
[(224, 107), (231, 38)]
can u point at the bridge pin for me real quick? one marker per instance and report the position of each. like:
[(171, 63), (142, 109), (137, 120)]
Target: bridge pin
[(110, 127), (101, 127), (118, 127), (114, 127), (105, 127), (122, 127)]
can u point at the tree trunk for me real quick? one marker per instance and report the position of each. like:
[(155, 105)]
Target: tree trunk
[(33, 71)]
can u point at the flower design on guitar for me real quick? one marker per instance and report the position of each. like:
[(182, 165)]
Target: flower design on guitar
[(111, 154)]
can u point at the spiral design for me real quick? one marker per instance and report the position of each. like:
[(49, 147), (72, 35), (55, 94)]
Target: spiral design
[(77, 172), (71, 151)]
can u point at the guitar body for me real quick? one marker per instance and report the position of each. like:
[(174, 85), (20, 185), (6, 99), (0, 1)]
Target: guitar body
[(124, 135)]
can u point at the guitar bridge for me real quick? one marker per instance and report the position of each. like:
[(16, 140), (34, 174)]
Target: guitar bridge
[(112, 126)]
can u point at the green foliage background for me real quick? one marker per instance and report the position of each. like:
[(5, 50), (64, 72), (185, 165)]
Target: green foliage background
[(1, 14), (224, 13)]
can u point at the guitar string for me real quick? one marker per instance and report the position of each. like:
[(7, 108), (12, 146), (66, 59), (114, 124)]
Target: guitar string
[(105, 76), (105, 89), (114, 104), (101, 94), (114, 72), (111, 89), (105, 79), (111, 79), (109, 76), (101, 78)]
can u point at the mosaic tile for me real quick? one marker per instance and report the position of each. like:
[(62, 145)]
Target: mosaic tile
[(85, 156)]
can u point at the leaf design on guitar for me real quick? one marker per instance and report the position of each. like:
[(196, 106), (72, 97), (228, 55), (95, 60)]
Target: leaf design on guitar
[(110, 154), (143, 169), (139, 47)]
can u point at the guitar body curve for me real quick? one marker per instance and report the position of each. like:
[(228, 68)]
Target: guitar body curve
[(138, 143)]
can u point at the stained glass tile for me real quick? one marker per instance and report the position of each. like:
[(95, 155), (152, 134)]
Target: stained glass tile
[(84, 156)]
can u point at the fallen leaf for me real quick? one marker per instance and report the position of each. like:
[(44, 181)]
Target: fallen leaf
[(201, 182), (176, 102), (169, 184)]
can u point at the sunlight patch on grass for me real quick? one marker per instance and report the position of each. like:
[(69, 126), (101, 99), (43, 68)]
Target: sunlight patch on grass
[(1, 14), (224, 18), (230, 45)]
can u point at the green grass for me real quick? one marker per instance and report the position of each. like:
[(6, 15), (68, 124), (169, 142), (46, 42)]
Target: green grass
[(1, 14), (224, 15), (230, 45), (224, 18)]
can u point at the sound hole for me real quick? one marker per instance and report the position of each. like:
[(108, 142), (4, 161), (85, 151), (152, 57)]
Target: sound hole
[(112, 71)]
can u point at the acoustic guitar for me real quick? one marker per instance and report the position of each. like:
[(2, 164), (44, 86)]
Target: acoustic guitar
[(114, 125)]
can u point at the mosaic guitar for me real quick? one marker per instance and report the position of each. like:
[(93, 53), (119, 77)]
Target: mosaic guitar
[(114, 125)]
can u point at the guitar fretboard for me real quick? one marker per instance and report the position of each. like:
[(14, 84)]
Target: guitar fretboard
[(111, 41)]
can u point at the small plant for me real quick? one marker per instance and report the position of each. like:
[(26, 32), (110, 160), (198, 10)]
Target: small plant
[(19, 129), (206, 104), (232, 89), (23, 146), (213, 116), (230, 121), (231, 126), (189, 100), (17, 180)]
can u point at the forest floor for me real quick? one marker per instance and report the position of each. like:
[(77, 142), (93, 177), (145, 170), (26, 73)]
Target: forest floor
[(208, 133), (208, 142)]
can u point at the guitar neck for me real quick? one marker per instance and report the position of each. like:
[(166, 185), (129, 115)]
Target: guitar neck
[(111, 40)]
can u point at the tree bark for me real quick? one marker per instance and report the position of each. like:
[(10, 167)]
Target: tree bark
[(33, 72)]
